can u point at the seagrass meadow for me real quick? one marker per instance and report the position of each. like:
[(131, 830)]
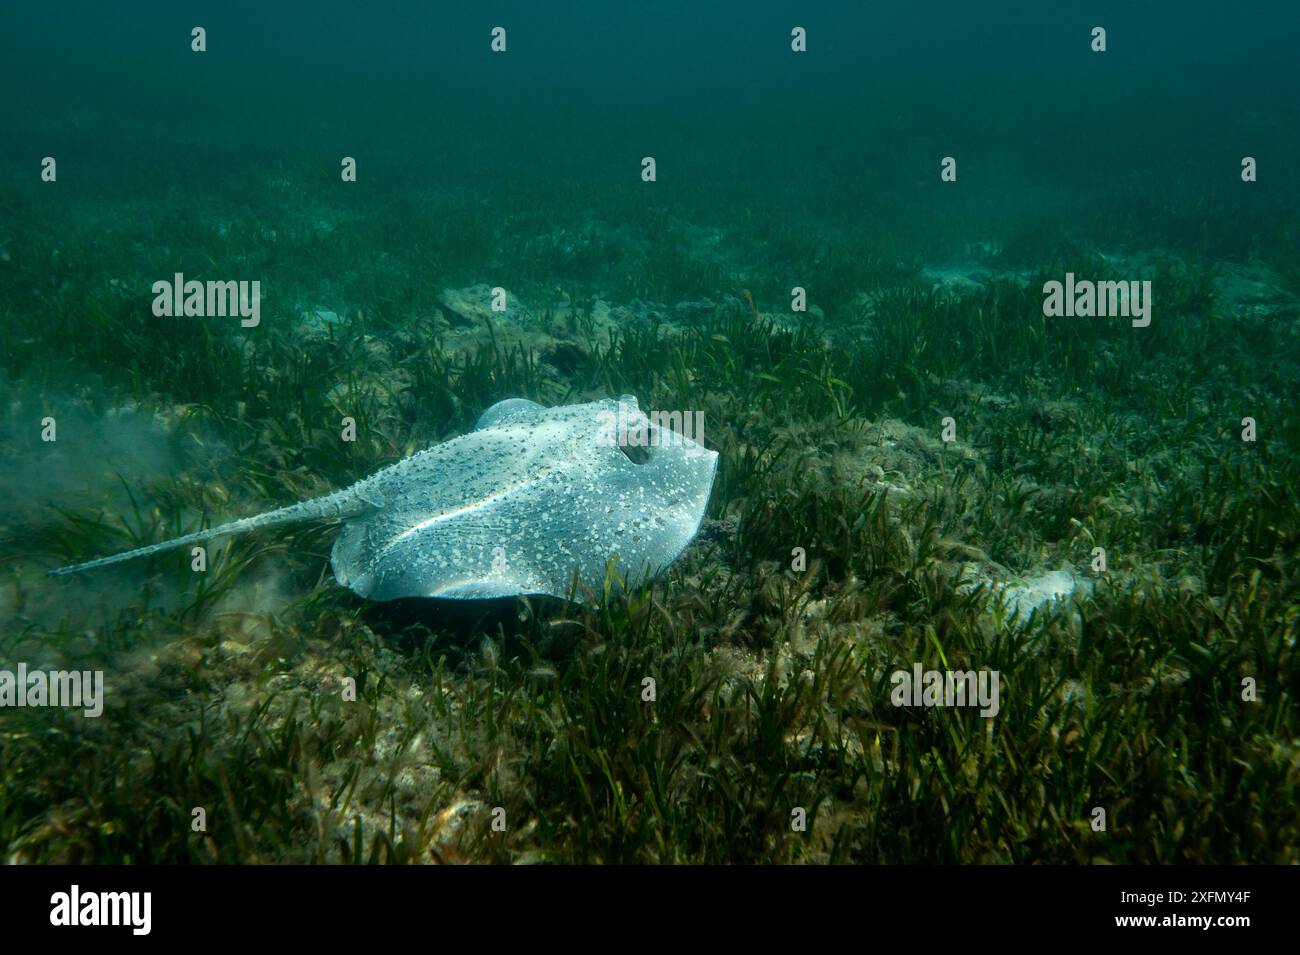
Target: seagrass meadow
[(920, 467)]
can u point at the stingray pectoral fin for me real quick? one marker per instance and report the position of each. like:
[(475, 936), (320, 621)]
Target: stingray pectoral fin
[(460, 557), (392, 580), (484, 589), (342, 504)]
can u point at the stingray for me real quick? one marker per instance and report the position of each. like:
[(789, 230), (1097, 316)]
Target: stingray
[(520, 505)]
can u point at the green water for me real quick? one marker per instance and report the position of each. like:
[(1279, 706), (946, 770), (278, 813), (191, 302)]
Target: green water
[(840, 261)]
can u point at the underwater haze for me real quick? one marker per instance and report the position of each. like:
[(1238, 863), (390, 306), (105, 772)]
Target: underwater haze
[(962, 527)]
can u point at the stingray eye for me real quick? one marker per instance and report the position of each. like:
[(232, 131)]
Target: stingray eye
[(635, 454)]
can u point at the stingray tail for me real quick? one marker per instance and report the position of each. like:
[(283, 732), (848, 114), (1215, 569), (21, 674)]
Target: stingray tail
[(340, 504)]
